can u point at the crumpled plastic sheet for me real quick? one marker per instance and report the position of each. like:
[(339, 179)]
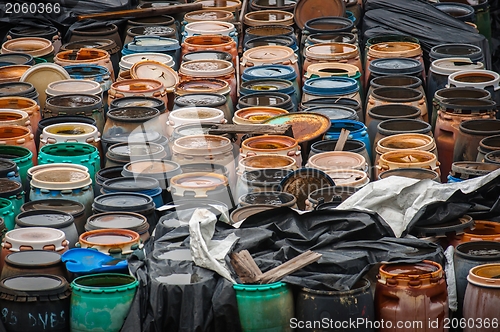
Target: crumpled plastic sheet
[(402, 202), (451, 282)]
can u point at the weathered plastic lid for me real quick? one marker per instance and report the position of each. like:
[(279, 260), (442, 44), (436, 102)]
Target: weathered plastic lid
[(305, 126), (33, 258), (33, 286), (17, 59), (44, 218), (456, 226), (269, 71), (110, 220), (396, 66), (151, 167), (16, 89), (306, 10), (207, 55), (449, 66), (10, 188), (456, 50), (7, 166), (155, 70), (135, 101), (130, 184), (153, 44), (335, 112), (130, 202), (71, 86), (330, 86), (64, 205), (59, 178), (200, 100), (133, 114), (128, 61), (242, 213)]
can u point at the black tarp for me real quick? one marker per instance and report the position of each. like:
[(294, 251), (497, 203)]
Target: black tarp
[(351, 242)]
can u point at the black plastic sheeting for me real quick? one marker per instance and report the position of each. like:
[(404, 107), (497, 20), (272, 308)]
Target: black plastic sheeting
[(351, 242), (420, 19)]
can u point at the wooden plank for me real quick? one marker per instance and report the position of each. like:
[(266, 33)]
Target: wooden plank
[(344, 135), (251, 129), (245, 267), (289, 267)]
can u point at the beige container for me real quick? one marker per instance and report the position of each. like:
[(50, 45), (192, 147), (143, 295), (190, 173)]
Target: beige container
[(71, 132), (270, 55), (209, 15), (397, 95), (12, 73), (407, 159), (334, 160), (138, 87), (271, 144), (9, 117), (85, 56), (254, 163), (268, 17), (193, 115), (332, 52), (329, 69), (23, 104), (405, 142), (34, 46), (349, 178), (256, 115)]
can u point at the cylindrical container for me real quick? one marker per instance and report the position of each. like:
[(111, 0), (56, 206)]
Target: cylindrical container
[(210, 43), (108, 294), (259, 162), (36, 47), (231, 5), (332, 69), (479, 79), (469, 255), (351, 145), (264, 180), (19, 89), (451, 113), (30, 301), (332, 52), (265, 307), (334, 160), (11, 59), (33, 262), (274, 71), (404, 142), (128, 61), (270, 55), (81, 105), (400, 285), (397, 95), (23, 104), (486, 145), (160, 31), (13, 73), (483, 288), (138, 87), (12, 191), (208, 15), (7, 213), (11, 117), (72, 132), (482, 231), (108, 30), (266, 99), (331, 37), (358, 131), (241, 213), (349, 177), (336, 87), (388, 128), (161, 170), (119, 243), (252, 203), (272, 41), (35, 169), (267, 17), (270, 85), (269, 31), (76, 209), (200, 185), (93, 73), (329, 24), (470, 134), (347, 305), (23, 159), (407, 159), (127, 202), (271, 144), (71, 153), (60, 119), (51, 219), (335, 102), (64, 183), (188, 115), (412, 173), (104, 174), (68, 87), (142, 185), (207, 55), (210, 100), (18, 136), (472, 52), (333, 195), (208, 27), (154, 44), (395, 66), (9, 170), (119, 220), (85, 56), (122, 153), (287, 5), (402, 81)]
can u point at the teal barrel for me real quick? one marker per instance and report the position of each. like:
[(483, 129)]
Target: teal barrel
[(7, 213), (101, 302), (22, 157)]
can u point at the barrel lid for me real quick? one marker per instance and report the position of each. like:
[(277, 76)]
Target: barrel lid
[(153, 44), (103, 44), (44, 218), (7, 166), (98, 73), (162, 31), (16, 89), (448, 66), (305, 126), (125, 151), (72, 101), (128, 61), (64, 205), (139, 137), (135, 101), (71, 86), (298, 183), (265, 176), (10, 188), (456, 50), (110, 220), (335, 112), (330, 86), (155, 70), (17, 59), (479, 250), (123, 201), (36, 237), (470, 169), (306, 10), (455, 226), (337, 159), (206, 68), (13, 71), (59, 178), (34, 288), (133, 114), (265, 161), (270, 71), (242, 213), (207, 55), (271, 41), (396, 66), (201, 99), (130, 184), (205, 142), (33, 258)]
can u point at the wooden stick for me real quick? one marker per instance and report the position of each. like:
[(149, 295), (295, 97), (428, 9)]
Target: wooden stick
[(289, 267), (249, 129), (344, 135), (245, 267), (146, 12)]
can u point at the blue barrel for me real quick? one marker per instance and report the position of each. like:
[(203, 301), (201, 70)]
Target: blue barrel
[(358, 131), (141, 184), (280, 72), (154, 44)]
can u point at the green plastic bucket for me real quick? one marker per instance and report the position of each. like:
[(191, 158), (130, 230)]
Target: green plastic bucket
[(265, 308), (101, 302), (7, 213), (71, 153), (22, 157)]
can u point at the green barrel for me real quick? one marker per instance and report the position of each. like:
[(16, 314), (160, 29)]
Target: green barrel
[(22, 157), (101, 302), (265, 308), (71, 153), (7, 213)]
